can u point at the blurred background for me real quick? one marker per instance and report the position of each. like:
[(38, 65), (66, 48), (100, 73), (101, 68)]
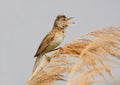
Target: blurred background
[(24, 23)]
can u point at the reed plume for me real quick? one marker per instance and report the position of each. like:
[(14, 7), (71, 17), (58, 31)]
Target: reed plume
[(85, 60)]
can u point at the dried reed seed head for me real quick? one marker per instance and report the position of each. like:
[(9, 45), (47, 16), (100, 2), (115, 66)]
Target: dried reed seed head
[(91, 54)]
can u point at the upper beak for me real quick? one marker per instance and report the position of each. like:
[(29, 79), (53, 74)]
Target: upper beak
[(70, 18), (68, 22)]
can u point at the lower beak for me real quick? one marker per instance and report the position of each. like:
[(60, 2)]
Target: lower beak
[(68, 22)]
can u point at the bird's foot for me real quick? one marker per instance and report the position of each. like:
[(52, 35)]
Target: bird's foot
[(48, 58)]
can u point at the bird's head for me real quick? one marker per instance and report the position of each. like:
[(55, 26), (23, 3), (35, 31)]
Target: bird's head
[(62, 21)]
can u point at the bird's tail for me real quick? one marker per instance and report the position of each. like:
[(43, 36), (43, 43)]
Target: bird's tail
[(37, 62)]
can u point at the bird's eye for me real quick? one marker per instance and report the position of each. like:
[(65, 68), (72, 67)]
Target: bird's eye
[(63, 19)]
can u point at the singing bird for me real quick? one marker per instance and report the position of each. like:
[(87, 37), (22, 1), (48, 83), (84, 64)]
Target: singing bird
[(53, 38)]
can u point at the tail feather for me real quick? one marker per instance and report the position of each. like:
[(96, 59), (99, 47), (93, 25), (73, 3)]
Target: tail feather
[(37, 62)]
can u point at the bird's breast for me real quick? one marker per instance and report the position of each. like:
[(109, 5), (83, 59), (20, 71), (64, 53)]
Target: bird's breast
[(58, 38)]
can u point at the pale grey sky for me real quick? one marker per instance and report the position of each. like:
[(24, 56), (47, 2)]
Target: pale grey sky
[(24, 23)]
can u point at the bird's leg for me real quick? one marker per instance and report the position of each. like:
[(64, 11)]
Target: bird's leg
[(60, 48), (55, 49), (48, 58)]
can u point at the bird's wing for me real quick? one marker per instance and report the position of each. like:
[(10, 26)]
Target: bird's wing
[(45, 42)]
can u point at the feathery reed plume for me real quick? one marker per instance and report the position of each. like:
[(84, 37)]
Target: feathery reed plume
[(85, 59)]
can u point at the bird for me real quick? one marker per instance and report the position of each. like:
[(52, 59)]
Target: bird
[(53, 38)]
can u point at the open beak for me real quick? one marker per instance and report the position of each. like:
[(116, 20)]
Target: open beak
[(69, 22)]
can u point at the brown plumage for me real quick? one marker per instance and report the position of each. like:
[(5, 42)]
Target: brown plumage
[(53, 38)]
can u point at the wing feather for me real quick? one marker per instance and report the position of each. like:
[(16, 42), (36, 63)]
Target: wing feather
[(45, 42)]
